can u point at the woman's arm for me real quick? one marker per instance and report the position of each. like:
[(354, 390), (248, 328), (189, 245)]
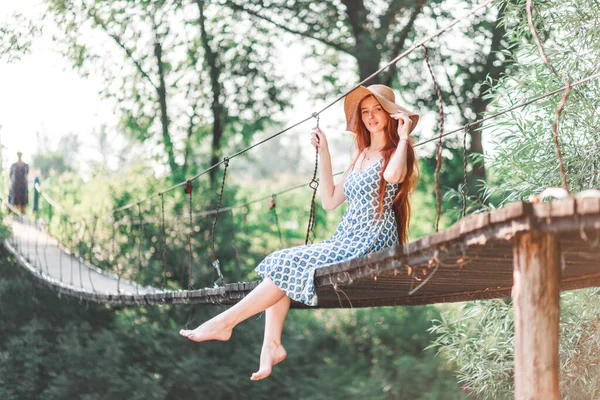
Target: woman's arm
[(395, 171), (332, 195)]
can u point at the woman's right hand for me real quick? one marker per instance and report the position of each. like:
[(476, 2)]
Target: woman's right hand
[(404, 124), (319, 141)]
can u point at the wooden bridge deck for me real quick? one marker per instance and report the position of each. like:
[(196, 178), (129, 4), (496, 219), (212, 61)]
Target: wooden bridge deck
[(43, 256), (471, 260)]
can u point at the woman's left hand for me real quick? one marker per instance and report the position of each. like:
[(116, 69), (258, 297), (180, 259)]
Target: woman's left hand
[(404, 123)]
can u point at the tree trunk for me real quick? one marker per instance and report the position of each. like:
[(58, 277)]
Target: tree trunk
[(365, 50), (217, 108), (536, 295), (164, 117), (368, 60)]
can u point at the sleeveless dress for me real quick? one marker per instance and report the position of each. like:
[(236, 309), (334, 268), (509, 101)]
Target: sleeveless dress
[(360, 232), (18, 194)]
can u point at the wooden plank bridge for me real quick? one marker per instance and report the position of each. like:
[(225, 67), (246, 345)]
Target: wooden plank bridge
[(472, 260), (531, 251)]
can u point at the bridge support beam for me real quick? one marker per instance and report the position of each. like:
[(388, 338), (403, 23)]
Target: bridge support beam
[(536, 295)]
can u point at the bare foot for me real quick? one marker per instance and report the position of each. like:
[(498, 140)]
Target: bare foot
[(270, 355), (210, 330)]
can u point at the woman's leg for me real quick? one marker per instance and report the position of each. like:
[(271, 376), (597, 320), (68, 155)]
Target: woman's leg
[(219, 328), (272, 351)]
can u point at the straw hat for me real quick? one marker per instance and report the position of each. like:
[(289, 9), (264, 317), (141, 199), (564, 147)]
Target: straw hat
[(383, 94), (19, 153)]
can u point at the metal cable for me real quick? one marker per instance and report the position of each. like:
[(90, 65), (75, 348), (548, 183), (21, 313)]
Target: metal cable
[(512, 108), (410, 50), (215, 262), (140, 253), (164, 239), (189, 188), (91, 259), (314, 184), (272, 207), (114, 253)]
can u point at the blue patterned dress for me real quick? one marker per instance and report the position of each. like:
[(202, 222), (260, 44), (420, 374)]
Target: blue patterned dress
[(360, 232)]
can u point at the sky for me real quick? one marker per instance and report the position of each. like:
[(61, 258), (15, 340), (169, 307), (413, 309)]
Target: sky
[(41, 94)]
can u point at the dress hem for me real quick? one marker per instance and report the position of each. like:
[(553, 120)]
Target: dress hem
[(286, 291)]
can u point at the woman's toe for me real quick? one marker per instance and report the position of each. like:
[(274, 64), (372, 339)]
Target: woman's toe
[(260, 375)]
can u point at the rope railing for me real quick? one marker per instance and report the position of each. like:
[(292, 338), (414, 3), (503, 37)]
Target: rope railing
[(216, 263)]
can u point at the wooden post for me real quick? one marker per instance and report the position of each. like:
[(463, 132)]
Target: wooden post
[(536, 294)]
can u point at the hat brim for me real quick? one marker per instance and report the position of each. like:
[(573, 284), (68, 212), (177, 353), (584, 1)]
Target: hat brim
[(353, 99)]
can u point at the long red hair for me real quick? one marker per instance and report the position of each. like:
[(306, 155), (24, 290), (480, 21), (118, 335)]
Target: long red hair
[(401, 203)]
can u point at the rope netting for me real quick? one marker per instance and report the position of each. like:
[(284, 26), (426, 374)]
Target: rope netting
[(148, 237)]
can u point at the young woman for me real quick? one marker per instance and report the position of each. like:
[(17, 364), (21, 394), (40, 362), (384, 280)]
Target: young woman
[(377, 185), (18, 194)]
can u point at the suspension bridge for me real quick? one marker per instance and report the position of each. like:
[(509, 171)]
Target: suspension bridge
[(471, 260), (528, 250)]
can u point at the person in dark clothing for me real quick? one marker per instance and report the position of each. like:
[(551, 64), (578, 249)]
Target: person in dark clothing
[(19, 193)]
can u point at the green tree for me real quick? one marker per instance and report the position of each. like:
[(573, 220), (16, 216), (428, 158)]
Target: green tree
[(372, 33), (479, 336), (16, 36), (56, 347), (190, 72), (50, 164)]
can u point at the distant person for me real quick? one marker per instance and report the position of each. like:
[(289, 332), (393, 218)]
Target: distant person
[(377, 184), (19, 193)]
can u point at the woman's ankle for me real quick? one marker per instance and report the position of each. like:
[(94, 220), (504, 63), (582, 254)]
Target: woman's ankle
[(272, 342)]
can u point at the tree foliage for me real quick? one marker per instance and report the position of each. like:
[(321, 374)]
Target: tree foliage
[(175, 75), (353, 39), (55, 347), (479, 336), (17, 34)]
